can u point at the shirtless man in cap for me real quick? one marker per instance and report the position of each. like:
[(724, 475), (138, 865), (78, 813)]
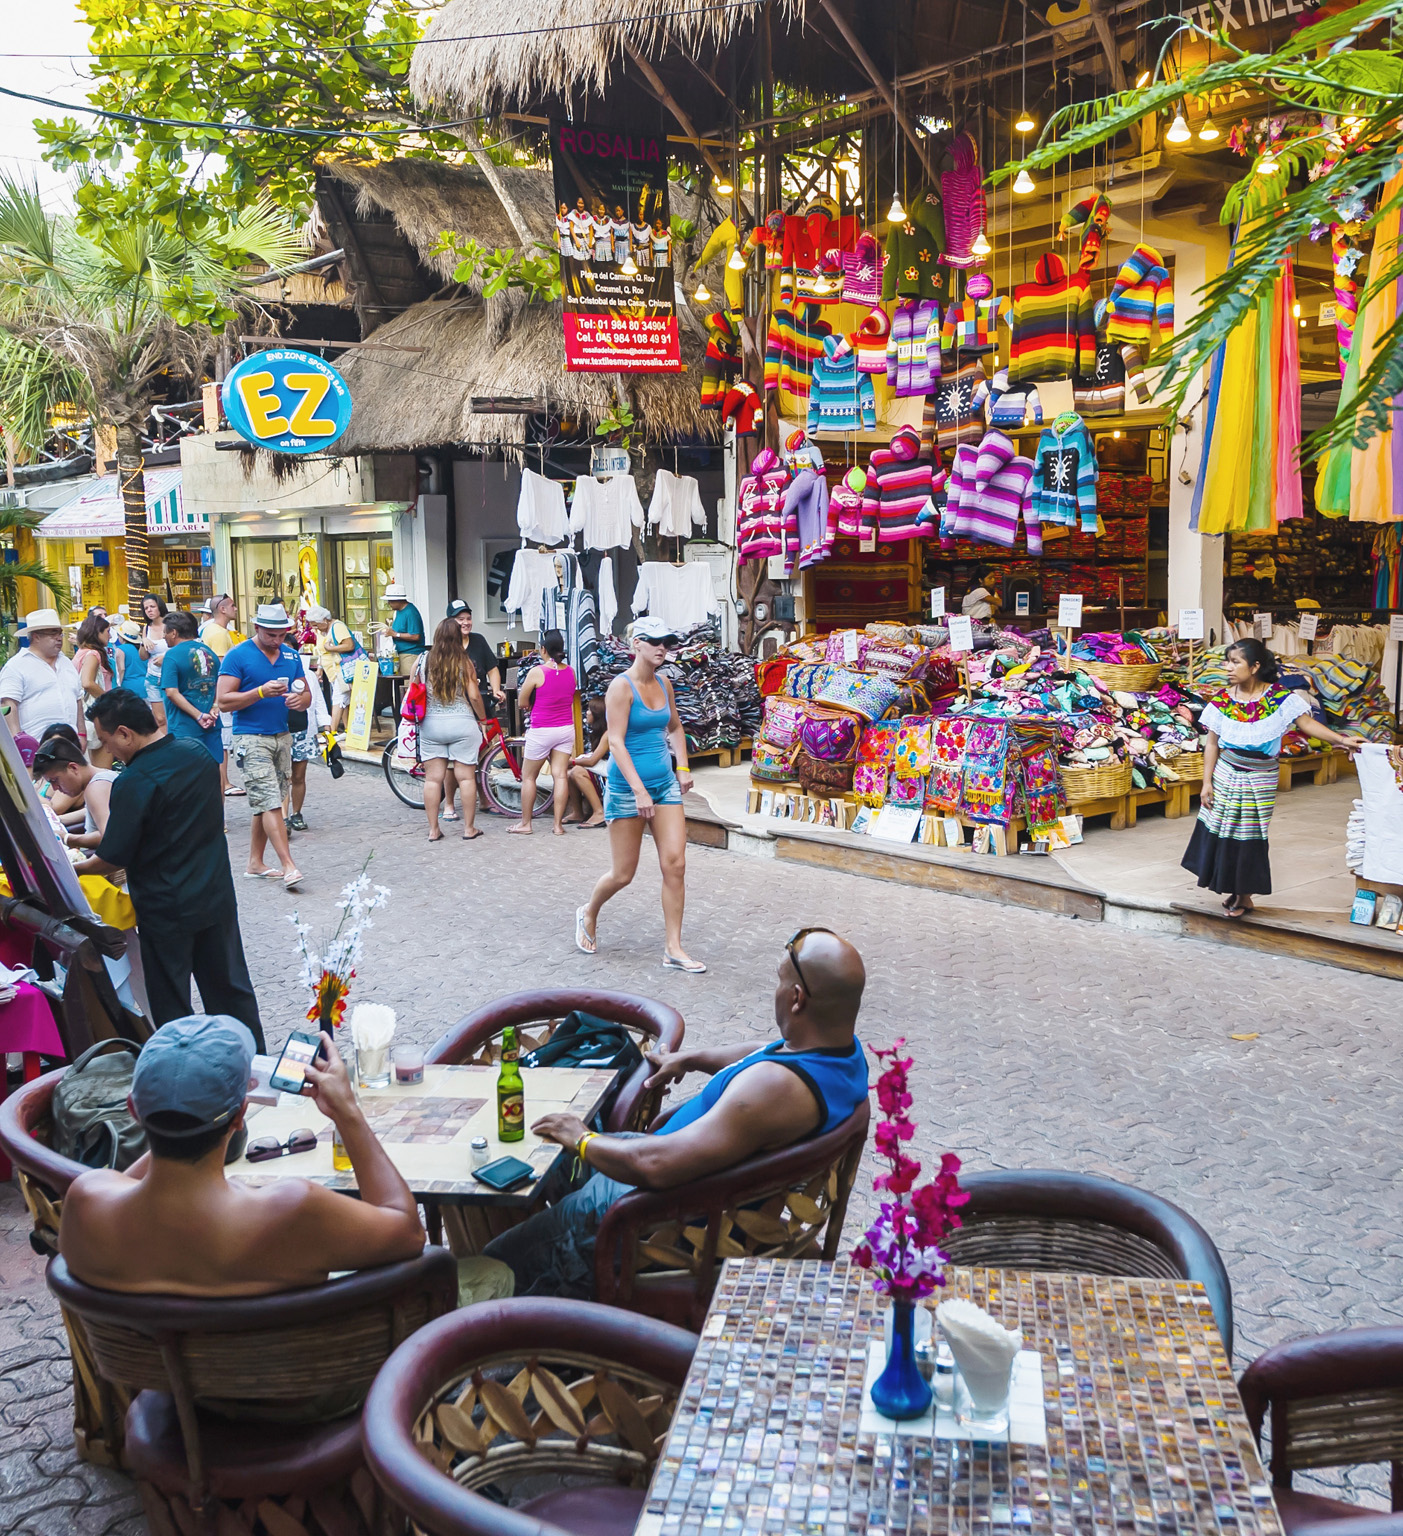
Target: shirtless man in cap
[(173, 1224)]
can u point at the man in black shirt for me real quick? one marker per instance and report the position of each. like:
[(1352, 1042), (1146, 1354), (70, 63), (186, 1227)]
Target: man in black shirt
[(165, 827)]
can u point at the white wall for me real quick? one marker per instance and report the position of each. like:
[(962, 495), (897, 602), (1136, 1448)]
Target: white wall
[(486, 495), (421, 556)]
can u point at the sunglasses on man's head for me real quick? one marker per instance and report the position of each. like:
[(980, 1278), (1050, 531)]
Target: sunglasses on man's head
[(793, 947), (268, 1147)]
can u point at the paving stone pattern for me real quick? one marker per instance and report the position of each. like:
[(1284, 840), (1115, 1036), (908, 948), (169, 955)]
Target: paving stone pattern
[(1039, 1041)]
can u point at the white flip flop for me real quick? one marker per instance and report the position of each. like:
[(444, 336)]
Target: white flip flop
[(691, 967), (583, 942)]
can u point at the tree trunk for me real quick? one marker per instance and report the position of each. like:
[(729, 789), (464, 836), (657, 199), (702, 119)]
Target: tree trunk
[(493, 176), (11, 453), (132, 479)]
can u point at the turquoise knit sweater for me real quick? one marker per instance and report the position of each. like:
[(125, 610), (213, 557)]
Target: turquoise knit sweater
[(840, 398)]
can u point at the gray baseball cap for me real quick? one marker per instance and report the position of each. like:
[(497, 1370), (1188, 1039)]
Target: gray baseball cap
[(198, 1066)]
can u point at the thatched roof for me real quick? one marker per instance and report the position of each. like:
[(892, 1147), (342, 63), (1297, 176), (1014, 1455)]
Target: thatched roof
[(405, 401), (492, 52)]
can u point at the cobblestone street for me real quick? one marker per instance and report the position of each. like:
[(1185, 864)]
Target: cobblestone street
[(1039, 1041)]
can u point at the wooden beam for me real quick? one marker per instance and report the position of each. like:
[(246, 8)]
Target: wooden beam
[(865, 60), (347, 238), (665, 96), (1106, 36)]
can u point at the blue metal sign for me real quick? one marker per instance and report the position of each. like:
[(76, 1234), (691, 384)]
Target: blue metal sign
[(287, 400)]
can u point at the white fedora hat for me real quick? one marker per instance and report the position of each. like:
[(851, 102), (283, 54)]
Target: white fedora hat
[(43, 618), (395, 591), (272, 616)]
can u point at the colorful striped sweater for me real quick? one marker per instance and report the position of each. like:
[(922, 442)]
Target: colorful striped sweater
[(1141, 297), (1064, 481), (722, 357), (958, 405), (1054, 325), (762, 526), (840, 398), (913, 348), (898, 486), (793, 344), (989, 489), (970, 326)]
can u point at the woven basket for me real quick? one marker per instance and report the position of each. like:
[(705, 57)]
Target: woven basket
[(1137, 679), (1103, 782), (1188, 765)]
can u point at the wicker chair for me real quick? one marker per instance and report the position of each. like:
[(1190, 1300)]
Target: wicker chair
[(170, 1355), (657, 1251), (533, 1389), (1046, 1219), (1335, 1400)]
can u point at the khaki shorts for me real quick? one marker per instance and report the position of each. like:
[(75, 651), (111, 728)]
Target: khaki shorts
[(267, 765)]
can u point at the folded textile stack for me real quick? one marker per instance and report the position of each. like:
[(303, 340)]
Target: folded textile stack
[(1354, 699), (1354, 839), (1128, 650)]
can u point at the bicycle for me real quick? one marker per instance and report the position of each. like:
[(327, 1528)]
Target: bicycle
[(498, 774)]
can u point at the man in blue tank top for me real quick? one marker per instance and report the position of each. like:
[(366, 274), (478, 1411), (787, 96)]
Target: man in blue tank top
[(760, 1098)]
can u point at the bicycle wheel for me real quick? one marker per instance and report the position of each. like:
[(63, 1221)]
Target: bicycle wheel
[(499, 788), (405, 777)]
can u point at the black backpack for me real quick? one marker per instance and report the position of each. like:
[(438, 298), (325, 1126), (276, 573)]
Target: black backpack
[(584, 1040)]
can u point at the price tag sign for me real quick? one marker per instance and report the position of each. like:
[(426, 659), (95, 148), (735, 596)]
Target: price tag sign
[(849, 647), (1261, 624), (1308, 623), (1191, 623), (1022, 604), (1395, 627), (937, 602), (1069, 610), (867, 542), (961, 632)]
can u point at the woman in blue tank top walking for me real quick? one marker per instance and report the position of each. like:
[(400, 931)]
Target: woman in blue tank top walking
[(643, 788)]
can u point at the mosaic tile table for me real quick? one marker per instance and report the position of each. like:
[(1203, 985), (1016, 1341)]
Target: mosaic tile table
[(426, 1127), (1145, 1431)]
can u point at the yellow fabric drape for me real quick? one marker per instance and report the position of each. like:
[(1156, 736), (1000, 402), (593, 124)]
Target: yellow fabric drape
[(1371, 487), (110, 904), (1227, 490)]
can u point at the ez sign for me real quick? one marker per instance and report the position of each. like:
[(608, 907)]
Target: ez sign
[(287, 400)]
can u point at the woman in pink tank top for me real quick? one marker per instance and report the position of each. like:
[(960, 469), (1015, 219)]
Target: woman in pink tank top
[(549, 694)]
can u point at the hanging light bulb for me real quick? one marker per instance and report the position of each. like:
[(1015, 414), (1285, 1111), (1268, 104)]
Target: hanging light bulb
[(723, 186), (1178, 130), (1023, 183), (629, 268), (846, 164), (703, 294), (981, 246), (1025, 124), (1296, 309), (737, 262), (896, 214), (1209, 130), (1268, 165)]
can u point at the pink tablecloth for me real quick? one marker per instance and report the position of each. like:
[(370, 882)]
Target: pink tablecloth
[(27, 1023)]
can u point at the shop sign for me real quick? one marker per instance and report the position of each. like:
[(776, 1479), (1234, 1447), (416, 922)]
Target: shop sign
[(613, 231), (1191, 623), (287, 400), (1327, 314), (937, 602), (961, 632), (361, 714), (1395, 627), (1069, 610), (1022, 604), (206, 556), (1261, 625), (1307, 624), (608, 459)]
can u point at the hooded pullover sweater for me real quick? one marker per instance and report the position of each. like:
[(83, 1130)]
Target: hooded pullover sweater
[(1064, 481), (870, 339), (840, 398), (898, 486), (970, 326), (958, 405), (806, 502), (1141, 297), (994, 494), (845, 504), (740, 407), (962, 202), (913, 348), (1054, 325), (913, 269), (1119, 370), (722, 357), (793, 345), (862, 271), (761, 527)]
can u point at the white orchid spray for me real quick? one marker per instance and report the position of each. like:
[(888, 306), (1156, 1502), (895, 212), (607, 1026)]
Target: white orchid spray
[(328, 967)]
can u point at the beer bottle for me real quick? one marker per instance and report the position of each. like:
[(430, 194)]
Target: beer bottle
[(511, 1091)]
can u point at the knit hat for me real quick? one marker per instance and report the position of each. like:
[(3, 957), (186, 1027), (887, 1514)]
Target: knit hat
[(906, 444), (794, 442), (869, 341), (862, 271), (1092, 215), (856, 479)]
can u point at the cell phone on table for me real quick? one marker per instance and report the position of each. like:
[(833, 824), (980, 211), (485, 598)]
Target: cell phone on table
[(505, 1173), (301, 1051)]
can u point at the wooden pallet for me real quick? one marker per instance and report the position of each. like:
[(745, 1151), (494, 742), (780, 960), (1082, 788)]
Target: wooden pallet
[(721, 757)]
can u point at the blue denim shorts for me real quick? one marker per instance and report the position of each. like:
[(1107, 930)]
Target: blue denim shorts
[(620, 804)]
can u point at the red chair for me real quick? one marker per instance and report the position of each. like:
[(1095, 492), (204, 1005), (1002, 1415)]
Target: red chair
[(534, 1388), (657, 1251), (1334, 1400)]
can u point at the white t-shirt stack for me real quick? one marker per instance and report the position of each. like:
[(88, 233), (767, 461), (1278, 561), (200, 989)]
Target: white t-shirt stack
[(46, 695)]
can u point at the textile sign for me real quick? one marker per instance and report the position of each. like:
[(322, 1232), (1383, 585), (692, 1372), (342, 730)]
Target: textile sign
[(287, 400), (614, 234)]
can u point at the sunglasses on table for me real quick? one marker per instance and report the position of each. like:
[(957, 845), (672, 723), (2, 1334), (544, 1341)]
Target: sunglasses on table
[(793, 947), (267, 1147)]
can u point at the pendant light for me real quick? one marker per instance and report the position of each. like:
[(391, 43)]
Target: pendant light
[(1178, 130), (737, 263), (845, 163), (981, 246), (896, 214), (1209, 131), (703, 294), (723, 186), (1023, 183), (1025, 124)]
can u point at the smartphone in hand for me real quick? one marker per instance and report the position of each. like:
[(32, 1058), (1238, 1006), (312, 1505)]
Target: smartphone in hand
[(301, 1051)]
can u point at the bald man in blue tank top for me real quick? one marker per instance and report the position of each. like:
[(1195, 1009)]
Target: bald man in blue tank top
[(760, 1098)]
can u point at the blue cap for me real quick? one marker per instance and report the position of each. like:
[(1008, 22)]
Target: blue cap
[(197, 1066)]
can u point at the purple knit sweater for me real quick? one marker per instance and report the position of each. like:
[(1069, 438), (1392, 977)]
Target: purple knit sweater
[(992, 493), (962, 194)]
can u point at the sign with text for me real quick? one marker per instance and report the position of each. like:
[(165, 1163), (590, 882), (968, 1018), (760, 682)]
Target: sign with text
[(1191, 623), (361, 715), (961, 632), (1261, 625), (614, 234), (1395, 627), (1069, 610), (1307, 624), (937, 602), (1022, 604), (287, 400)]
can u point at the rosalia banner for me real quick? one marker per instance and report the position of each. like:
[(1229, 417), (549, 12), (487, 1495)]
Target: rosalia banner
[(612, 209), (287, 400)]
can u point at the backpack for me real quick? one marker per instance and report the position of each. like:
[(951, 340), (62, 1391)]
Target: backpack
[(574, 613), (582, 1039), (92, 1124)]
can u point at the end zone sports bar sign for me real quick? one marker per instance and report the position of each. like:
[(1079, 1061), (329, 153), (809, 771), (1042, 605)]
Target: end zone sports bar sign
[(612, 208)]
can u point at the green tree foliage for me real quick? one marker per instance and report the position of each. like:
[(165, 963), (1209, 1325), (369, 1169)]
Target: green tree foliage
[(1346, 74)]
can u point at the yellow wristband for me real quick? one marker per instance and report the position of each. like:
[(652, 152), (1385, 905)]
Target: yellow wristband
[(582, 1143), (260, 690)]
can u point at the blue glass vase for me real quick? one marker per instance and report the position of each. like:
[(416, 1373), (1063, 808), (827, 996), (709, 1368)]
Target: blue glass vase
[(901, 1392)]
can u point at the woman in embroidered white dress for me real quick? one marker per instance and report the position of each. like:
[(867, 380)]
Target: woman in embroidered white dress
[(1241, 762)]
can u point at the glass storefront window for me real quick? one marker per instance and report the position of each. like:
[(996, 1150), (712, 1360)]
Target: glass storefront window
[(266, 571), (363, 570)]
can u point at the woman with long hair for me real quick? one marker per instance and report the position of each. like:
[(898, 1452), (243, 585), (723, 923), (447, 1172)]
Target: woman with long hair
[(549, 694), (450, 735), (153, 652), (92, 658), (1241, 766), (645, 734)]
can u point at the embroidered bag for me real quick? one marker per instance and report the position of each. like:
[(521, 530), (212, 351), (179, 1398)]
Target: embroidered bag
[(906, 791), (782, 720), (770, 674), (877, 744), (772, 763), (829, 736), (912, 757), (814, 773), (870, 783), (837, 647), (869, 697)]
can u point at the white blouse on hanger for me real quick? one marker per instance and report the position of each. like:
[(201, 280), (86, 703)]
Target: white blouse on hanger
[(540, 509), (606, 511), (680, 595), (676, 505), (533, 570)]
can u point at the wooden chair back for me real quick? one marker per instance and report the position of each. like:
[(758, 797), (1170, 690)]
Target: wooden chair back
[(657, 1251)]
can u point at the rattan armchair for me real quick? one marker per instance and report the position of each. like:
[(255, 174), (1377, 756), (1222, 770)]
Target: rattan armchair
[(264, 1361), (527, 1391), (1047, 1219), (1334, 1400), (658, 1251)]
